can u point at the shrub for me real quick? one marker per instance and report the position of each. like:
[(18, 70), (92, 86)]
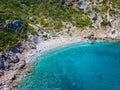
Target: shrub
[(105, 23)]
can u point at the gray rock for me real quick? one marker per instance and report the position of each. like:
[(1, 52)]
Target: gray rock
[(12, 24), (113, 32), (95, 17), (12, 57), (23, 63), (33, 38), (2, 65), (31, 18), (80, 2), (89, 11), (17, 49), (32, 46), (45, 35)]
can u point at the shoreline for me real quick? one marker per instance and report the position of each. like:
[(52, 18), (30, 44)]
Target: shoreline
[(70, 41), (29, 56), (51, 45)]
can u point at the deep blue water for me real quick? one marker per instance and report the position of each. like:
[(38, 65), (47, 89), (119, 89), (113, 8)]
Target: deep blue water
[(78, 67)]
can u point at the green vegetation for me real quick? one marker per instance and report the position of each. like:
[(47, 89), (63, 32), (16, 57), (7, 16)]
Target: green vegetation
[(12, 10), (58, 26), (44, 23), (49, 13), (105, 23), (113, 12), (107, 6), (9, 38)]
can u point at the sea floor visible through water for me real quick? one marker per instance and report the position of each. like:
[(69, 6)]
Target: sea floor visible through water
[(77, 67)]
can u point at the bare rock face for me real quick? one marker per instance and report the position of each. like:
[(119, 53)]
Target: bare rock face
[(12, 57), (29, 45), (17, 49)]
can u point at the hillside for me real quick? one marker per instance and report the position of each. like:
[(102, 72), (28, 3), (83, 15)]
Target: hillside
[(51, 15)]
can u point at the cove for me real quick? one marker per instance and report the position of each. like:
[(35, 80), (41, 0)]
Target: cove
[(77, 67)]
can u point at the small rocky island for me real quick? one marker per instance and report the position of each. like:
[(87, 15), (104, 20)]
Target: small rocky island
[(30, 27)]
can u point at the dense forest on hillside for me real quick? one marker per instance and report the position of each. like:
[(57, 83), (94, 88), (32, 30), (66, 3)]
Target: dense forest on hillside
[(57, 10)]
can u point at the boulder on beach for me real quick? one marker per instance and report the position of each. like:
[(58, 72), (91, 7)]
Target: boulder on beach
[(45, 35)]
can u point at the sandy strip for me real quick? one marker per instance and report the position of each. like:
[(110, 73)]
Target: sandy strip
[(52, 44)]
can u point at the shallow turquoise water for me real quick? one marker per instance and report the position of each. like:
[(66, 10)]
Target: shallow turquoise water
[(78, 67)]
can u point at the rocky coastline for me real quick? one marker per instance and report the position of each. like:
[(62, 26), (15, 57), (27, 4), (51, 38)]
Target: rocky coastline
[(12, 61), (28, 51)]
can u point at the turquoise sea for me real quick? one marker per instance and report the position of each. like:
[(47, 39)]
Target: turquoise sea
[(77, 67)]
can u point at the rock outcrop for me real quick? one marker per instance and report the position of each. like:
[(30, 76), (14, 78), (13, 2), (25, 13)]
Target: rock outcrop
[(11, 24), (22, 64), (11, 57)]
